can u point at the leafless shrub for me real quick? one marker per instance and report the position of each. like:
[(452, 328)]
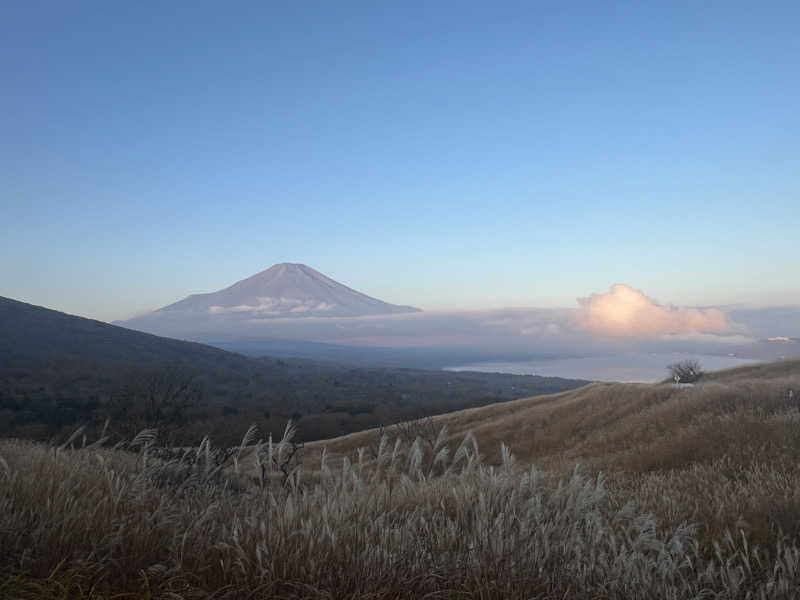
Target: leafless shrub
[(685, 371)]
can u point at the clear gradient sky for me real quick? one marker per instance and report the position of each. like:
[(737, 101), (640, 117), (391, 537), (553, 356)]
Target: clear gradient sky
[(444, 155)]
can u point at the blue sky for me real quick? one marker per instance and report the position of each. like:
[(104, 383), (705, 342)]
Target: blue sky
[(445, 155)]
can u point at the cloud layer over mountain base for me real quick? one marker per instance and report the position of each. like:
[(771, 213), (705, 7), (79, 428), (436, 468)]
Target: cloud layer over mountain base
[(621, 319)]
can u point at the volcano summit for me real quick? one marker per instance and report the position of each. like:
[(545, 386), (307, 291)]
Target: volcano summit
[(286, 290)]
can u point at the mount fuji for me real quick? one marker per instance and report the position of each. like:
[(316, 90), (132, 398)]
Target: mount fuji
[(286, 290)]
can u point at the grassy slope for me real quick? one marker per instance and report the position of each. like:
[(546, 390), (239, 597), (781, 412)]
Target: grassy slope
[(701, 499), (599, 422), (723, 455)]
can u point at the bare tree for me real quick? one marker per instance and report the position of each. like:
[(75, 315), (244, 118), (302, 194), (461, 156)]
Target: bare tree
[(685, 371), (154, 398)]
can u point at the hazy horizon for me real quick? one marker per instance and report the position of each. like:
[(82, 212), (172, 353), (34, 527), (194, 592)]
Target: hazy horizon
[(443, 309), (646, 367), (294, 302)]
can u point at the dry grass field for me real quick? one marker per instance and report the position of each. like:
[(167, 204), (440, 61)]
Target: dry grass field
[(611, 491)]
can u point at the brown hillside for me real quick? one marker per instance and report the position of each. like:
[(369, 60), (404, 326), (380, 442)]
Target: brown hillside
[(616, 425), (722, 455)]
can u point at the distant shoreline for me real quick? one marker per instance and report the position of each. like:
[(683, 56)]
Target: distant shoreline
[(647, 367)]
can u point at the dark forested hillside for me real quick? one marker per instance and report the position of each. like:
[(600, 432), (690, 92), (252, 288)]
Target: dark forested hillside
[(31, 332), (58, 372)]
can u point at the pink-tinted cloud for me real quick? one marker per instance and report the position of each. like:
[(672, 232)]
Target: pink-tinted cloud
[(627, 312)]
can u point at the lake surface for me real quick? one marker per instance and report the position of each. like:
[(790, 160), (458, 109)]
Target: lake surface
[(644, 368)]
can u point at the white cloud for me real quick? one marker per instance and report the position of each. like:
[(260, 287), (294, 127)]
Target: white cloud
[(218, 310), (269, 306), (627, 312)]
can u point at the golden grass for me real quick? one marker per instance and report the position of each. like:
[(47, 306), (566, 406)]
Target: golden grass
[(658, 443), (595, 422), (681, 493)]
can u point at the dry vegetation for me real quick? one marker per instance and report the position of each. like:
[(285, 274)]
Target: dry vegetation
[(680, 493)]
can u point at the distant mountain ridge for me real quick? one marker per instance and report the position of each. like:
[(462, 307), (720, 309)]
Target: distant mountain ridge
[(285, 290), (29, 332)]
